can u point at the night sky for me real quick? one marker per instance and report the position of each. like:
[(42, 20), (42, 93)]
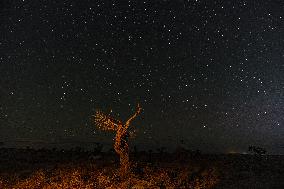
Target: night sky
[(209, 73)]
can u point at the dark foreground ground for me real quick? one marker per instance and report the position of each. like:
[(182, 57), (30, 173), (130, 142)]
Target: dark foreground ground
[(28, 168)]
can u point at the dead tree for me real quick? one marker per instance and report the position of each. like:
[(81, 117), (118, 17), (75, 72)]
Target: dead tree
[(108, 123)]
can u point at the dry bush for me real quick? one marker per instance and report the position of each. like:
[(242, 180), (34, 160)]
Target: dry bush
[(90, 177), (37, 180)]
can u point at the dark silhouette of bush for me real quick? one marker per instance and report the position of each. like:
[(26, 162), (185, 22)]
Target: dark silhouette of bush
[(98, 148), (257, 150)]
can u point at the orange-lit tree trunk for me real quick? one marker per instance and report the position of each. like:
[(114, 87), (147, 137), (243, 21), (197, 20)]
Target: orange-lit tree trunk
[(106, 122)]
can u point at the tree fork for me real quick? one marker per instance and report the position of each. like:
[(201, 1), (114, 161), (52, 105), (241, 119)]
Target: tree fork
[(108, 123)]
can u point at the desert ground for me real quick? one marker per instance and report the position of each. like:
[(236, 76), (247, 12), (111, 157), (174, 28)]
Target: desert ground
[(76, 168)]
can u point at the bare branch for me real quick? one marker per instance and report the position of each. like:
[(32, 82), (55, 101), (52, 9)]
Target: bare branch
[(133, 116)]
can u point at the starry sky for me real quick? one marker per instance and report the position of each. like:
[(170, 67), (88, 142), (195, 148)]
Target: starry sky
[(209, 73)]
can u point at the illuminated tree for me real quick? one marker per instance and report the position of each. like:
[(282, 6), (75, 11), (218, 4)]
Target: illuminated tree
[(108, 123)]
